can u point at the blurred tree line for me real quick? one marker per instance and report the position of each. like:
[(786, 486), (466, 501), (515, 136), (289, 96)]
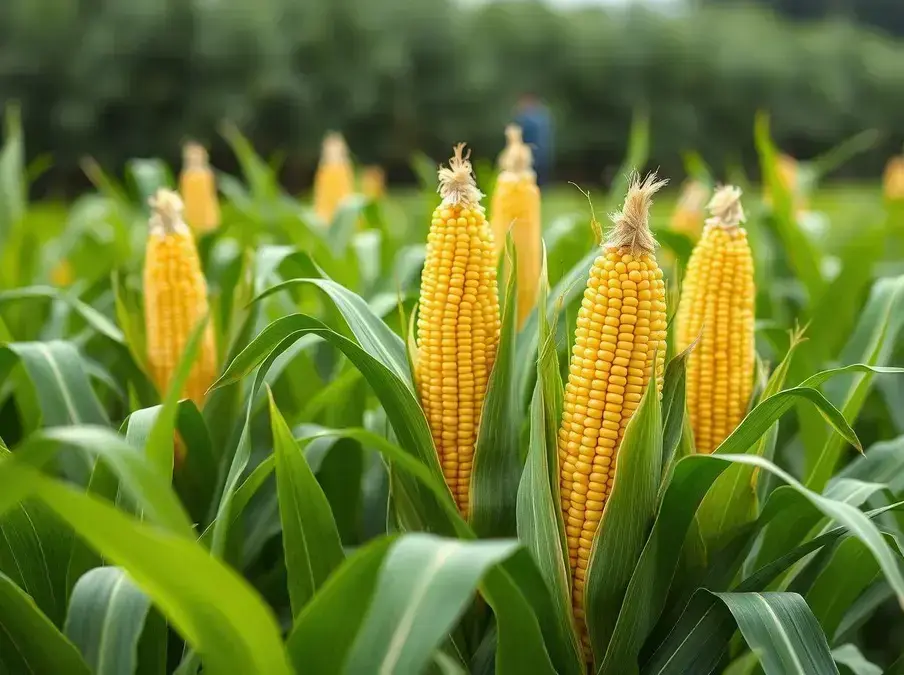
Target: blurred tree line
[(128, 78), (887, 15)]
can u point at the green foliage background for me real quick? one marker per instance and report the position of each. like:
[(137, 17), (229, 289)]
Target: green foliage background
[(134, 78)]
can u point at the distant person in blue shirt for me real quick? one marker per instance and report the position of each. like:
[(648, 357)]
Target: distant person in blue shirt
[(537, 131)]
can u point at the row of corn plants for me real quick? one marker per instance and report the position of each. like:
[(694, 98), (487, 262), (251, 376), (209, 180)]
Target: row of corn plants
[(252, 436)]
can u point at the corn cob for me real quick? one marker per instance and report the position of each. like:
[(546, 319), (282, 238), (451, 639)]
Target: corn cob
[(717, 305), (175, 299), (621, 329), (373, 182), (458, 323), (199, 191), (893, 179), (516, 206), (335, 179), (689, 213)]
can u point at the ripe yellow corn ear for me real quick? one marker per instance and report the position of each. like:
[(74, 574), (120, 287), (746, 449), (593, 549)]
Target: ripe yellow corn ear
[(788, 169), (175, 299), (516, 207), (335, 178), (621, 329), (458, 323), (373, 182), (199, 191), (689, 213), (717, 307), (893, 179)]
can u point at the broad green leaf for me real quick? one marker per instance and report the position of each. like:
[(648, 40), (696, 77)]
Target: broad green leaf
[(849, 569), (148, 176), (698, 638), (782, 631), (212, 607), (872, 343), (398, 400), (674, 406), (29, 642), (627, 516), (57, 372), (323, 633), (424, 586), (135, 474), (373, 335), (850, 657), (310, 539), (13, 187), (34, 554), (497, 454), (881, 463), (92, 317), (106, 617)]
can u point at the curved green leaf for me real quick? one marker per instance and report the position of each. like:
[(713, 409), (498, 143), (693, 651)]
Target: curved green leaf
[(311, 541), (424, 586), (29, 642), (106, 617), (92, 317)]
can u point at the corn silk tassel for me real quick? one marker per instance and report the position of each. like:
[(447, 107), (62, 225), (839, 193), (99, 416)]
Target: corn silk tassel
[(621, 330), (175, 299), (717, 311), (893, 179), (335, 177), (458, 323), (516, 207), (199, 191), (690, 211)]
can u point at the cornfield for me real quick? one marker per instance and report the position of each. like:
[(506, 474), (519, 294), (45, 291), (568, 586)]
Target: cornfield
[(459, 430)]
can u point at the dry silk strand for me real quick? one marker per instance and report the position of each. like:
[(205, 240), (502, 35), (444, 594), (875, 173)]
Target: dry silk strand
[(717, 310), (175, 299), (335, 179), (458, 323), (199, 191), (621, 330), (516, 208)]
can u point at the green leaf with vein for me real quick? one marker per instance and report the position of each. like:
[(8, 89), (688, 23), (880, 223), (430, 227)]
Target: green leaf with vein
[(216, 610), (626, 520), (29, 642), (311, 541), (92, 317), (782, 631), (497, 454), (424, 586), (107, 614)]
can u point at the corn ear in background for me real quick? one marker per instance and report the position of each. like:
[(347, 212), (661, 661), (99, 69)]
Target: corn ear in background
[(175, 299), (717, 308), (516, 207), (458, 323), (335, 179), (199, 191), (373, 182), (893, 179), (621, 329)]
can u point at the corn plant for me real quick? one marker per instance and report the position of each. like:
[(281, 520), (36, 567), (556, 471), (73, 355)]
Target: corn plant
[(395, 471)]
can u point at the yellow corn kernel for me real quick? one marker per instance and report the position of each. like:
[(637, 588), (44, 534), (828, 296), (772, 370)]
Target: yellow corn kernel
[(689, 213), (175, 299), (893, 179), (373, 182), (458, 323), (62, 275), (199, 190), (717, 306), (516, 207), (620, 329), (335, 179)]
